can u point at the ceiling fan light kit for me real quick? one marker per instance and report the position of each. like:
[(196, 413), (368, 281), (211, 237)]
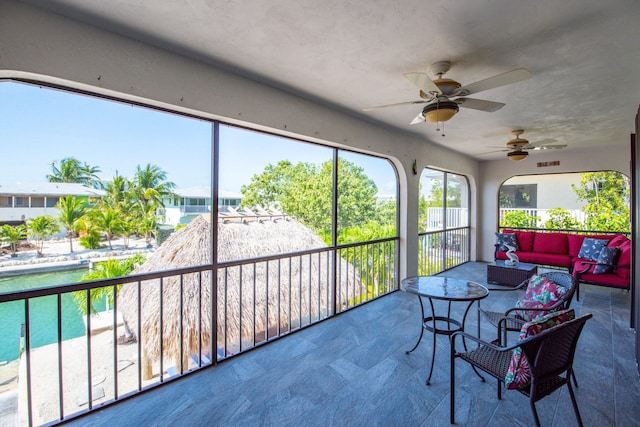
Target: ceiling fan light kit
[(440, 111), (438, 93), (517, 155)]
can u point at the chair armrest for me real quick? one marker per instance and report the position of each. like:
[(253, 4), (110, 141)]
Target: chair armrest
[(586, 266), (470, 337), (555, 306)]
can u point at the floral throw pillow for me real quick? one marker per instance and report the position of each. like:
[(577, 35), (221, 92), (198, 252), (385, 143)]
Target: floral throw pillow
[(519, 374), (541, 293), (606, 260), (591, 248), (505, 239)]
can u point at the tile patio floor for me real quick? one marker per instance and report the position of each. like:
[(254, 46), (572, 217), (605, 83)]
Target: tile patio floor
[(352, 370)]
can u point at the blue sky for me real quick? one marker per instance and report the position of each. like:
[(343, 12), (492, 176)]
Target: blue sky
[(41, 125)]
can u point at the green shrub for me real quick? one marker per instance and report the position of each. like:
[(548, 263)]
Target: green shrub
[(519, 219), (560, 218), (91, 240)]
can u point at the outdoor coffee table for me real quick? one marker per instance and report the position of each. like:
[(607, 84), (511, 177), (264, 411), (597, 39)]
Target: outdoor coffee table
[(500, 273), (444, 289)]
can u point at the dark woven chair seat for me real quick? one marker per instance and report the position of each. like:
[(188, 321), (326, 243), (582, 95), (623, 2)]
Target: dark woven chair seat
[(494, 363)]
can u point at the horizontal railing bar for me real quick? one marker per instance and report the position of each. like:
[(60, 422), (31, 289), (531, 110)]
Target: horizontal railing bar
[(425, 233), (81, 286), (566, 230)]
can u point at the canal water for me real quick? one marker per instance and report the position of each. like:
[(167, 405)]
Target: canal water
[(43, 312)]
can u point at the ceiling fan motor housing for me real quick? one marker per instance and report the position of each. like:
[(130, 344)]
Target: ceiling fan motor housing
[(517, 155), (440, 111)]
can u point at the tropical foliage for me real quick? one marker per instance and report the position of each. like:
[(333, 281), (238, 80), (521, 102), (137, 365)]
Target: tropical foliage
[(72, 170), (71, 212), (105, 270), (129, 206), (12, 235), (519, 219), (607, 200), (304, 191), (42, 228), (561, 219)]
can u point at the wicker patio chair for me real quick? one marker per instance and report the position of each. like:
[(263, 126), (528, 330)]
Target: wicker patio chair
[(510, 320), (550, 354)]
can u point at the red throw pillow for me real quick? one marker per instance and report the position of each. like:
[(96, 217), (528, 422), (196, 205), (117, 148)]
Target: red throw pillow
[(551, 243)]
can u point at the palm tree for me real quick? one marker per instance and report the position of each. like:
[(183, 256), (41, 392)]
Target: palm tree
[(42, 228), (150, 185), (117, 191), (107, 220), (72, 210), (71, 170), (105, 270), (13, 235)]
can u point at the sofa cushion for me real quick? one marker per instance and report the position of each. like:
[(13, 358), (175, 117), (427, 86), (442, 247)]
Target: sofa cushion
[(504, 239), (607, 279), (618, 240), (541, 293), (591, 248), (624, 261), (519, 373), (606, 260), (559, 260), (552, 243), (525, 240), (575, 243)]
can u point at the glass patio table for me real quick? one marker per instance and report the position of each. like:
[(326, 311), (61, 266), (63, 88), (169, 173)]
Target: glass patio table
[(444, 289)]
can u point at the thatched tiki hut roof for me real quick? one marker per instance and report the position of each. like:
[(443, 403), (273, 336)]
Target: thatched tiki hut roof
[(289, 293)]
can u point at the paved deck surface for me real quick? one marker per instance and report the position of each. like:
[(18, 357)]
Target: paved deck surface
[(352, 370)]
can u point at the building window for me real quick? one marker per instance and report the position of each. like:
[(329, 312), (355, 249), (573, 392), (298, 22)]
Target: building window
[(37, 202), (52, 201)]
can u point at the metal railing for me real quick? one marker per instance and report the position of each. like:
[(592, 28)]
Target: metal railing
[(162, 325), (441, 250), (565, 230)]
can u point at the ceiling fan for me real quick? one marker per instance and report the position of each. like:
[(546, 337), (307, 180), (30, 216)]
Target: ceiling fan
[(438, 93), (518, 148)]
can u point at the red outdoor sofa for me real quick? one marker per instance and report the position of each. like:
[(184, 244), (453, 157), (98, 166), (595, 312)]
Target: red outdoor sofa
[(602, 260)]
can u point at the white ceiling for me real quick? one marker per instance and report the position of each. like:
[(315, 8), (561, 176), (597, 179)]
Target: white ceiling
[(584, 56)]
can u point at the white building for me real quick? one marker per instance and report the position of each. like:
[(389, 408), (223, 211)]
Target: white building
[(189, 203), (23, 201)]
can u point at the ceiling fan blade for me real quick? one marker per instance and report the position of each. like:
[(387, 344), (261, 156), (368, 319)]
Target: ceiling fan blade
[(503, 79), (479, 104), (423, 82), (548, 147), (496, 151), (379, 107), (541, 143), (418, 119)]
